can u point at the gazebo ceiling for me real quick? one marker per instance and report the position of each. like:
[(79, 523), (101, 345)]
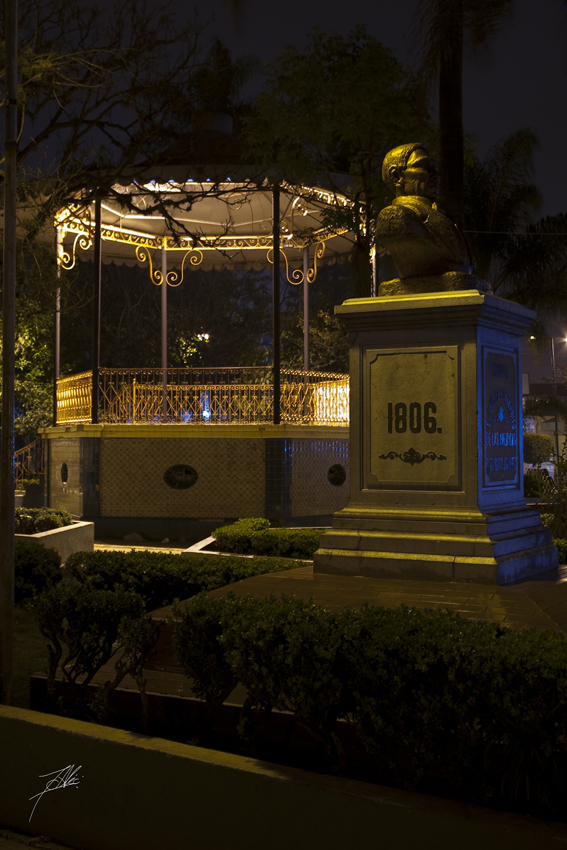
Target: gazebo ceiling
[(212, 225)]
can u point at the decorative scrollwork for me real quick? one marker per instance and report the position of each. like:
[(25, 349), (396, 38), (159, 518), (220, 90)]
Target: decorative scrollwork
[(83, 240), (412, 456), (143, 255), (174, 277), (296, 274), (318, 255)]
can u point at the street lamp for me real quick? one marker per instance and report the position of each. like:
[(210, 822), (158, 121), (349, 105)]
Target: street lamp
[(552, 339)]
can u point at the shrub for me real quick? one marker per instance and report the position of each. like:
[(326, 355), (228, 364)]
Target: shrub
[(478, 709), (538, 448), (539, 484), (28, 482), (286, 653), (254, 537), (35, 569), (561, 546), (85, 627), (482, 704), (36, 520), (196, 640), (161, 577), (238, 536)]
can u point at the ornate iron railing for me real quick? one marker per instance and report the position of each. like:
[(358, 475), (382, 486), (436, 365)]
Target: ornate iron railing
[(74, 398), (29, 462), (198, 396)]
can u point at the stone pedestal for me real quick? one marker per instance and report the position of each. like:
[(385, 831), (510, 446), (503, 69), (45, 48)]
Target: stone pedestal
[(435, 444)]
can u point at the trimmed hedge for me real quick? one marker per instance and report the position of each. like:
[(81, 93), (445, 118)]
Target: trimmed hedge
[(474, 709), (85, 627), (161, 577), (253, 536), (36, 520), (35, 569), (538, 448)]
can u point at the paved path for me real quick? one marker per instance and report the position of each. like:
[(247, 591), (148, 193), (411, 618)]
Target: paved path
[(539, 604), (10, 840), (137, 547)]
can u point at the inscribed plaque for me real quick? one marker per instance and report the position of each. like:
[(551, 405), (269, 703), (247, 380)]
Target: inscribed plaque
[(412, 418), (501, 421)]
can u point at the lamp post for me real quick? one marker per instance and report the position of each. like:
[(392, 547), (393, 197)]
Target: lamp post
[(552, 340)]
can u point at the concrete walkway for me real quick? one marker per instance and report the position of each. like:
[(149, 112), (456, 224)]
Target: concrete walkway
[(539, 604)]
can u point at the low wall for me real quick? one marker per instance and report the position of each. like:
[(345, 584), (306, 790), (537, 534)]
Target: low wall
[(78, 537), (135, 792), (128, 473)]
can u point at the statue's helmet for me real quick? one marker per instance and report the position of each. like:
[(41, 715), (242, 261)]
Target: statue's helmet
[(396, 160)]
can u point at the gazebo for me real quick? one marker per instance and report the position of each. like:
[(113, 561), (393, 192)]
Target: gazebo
[(273, 426)]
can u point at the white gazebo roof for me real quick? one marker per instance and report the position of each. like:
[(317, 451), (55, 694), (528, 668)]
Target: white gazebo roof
[(225, 224)]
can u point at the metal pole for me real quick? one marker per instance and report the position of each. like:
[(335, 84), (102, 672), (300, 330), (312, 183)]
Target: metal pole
[(7, 482), (555, 397), (306, 308), (96, 310), (276, 299), (57, 344), (164, 332)]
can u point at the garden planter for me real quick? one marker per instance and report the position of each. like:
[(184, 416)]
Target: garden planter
[(219, 799), (34, 496), (78, 537)]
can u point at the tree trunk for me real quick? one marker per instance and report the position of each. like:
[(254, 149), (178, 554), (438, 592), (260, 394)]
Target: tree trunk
[(451, 115)]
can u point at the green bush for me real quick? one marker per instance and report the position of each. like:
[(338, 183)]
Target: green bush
[(161, 577), (255, 537), (478, 709), (561, 546), (538, 448), (28, 482), (196, 641), (85, 627), (484, 706), (36, 520), (538, 484), (35, 569), (301, 643)]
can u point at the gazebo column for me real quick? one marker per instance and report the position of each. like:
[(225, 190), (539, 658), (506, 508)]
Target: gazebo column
[(306, 308), (164, 332), (96, 310), (276, 299)]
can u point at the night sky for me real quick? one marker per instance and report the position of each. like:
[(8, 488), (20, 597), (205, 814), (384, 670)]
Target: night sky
[(521, 83)]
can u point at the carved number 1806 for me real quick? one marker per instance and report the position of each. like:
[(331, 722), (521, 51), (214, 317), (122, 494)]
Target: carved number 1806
[(399, 417)]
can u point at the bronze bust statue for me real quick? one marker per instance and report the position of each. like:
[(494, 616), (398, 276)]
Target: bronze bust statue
[(428, 249)]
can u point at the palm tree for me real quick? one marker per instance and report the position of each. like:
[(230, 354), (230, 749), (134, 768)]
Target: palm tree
[(523, 258), (440, 27)]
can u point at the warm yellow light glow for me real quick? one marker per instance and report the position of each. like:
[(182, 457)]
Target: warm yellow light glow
[(136, 396)]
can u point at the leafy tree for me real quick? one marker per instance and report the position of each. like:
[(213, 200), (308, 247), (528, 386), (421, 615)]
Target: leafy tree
[(524, 259), (98, 88), (232, 309), (328, 341), (440, 29), (34, 341), (334, 110)]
